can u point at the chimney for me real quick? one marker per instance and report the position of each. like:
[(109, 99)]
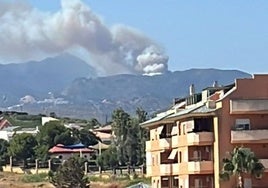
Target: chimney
[(192, 90)]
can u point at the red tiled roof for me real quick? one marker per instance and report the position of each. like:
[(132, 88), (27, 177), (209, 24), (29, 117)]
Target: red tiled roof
[(61, 149), (4, 123)]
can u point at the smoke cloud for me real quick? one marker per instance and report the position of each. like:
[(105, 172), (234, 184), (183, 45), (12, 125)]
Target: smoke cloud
[(27, 34)]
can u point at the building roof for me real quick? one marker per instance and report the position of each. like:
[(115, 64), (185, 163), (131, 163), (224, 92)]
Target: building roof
[(10, 129), (4, 123), (103, 136), (197, 109), (156, 119), (200, 107), (104, 128), (75, 146), (100, 146), (59, 148), (44, 120)]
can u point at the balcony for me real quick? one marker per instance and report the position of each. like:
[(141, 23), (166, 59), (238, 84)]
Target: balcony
[(152, 170), (165, 169), (265, 164), (196, 167), (174, 141), (246, 106), (156, 145), (162, 170), (175, 169), (149, 171), (196, 139), (249, 136)]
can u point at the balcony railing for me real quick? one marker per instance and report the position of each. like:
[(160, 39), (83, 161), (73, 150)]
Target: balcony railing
[(196, 138), (161, 144), (174, 141), (162, 170), (165, 169), (196, 167), (149, 170), (175, 169), (249, 136), (152, 170)]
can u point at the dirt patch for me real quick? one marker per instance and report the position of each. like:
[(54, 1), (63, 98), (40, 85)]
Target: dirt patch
[(11, 180), (105, 185), (25, 185), (14, 181)]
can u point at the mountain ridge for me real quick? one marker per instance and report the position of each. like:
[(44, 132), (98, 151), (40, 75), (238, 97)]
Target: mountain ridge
[(77, 92)]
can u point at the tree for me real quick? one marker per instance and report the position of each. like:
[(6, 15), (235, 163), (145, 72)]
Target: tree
[(120, 126), (65, 138), (141, 114), (129, 137), (242, 160), (70, 174), (93, 123), (85, 137), (143, 134), (22, 147), (108, 158), (41, 152), (49, 135), (132, 144), (3, 151), (48, 132), (53, 133)]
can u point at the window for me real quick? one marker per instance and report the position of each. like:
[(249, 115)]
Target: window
[(175, 181), (165, 182), (198, 183), (242, 124), (196, 155)]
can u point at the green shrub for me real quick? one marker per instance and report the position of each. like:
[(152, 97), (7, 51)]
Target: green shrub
[(31, 178)]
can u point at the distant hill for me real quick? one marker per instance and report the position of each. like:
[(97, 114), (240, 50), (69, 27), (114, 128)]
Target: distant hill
[(38, 78), (153, 93), (79, 93)]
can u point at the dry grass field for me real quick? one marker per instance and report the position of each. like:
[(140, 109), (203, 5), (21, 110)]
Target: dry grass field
[(11, 180)]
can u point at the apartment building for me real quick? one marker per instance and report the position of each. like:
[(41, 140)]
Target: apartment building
[(188, 142)]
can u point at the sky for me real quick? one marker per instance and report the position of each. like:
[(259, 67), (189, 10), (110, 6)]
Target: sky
[(170, 34)]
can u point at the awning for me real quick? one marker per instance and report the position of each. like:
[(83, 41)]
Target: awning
[(172, 154), (175, 130), (160, 129)]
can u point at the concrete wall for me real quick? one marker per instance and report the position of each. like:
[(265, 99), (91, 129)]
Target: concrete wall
[(19, 170), (245, 89)]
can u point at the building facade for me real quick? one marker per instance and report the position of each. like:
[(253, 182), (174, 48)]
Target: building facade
[(188, 142)]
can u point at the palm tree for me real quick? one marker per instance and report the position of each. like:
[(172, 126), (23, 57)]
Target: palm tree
[(242, 161)]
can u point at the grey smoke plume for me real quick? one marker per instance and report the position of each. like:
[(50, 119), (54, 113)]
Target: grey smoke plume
[(27, 33)]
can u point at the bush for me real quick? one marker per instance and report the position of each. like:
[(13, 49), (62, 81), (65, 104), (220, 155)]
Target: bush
[(32, 178), (70, 175)]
